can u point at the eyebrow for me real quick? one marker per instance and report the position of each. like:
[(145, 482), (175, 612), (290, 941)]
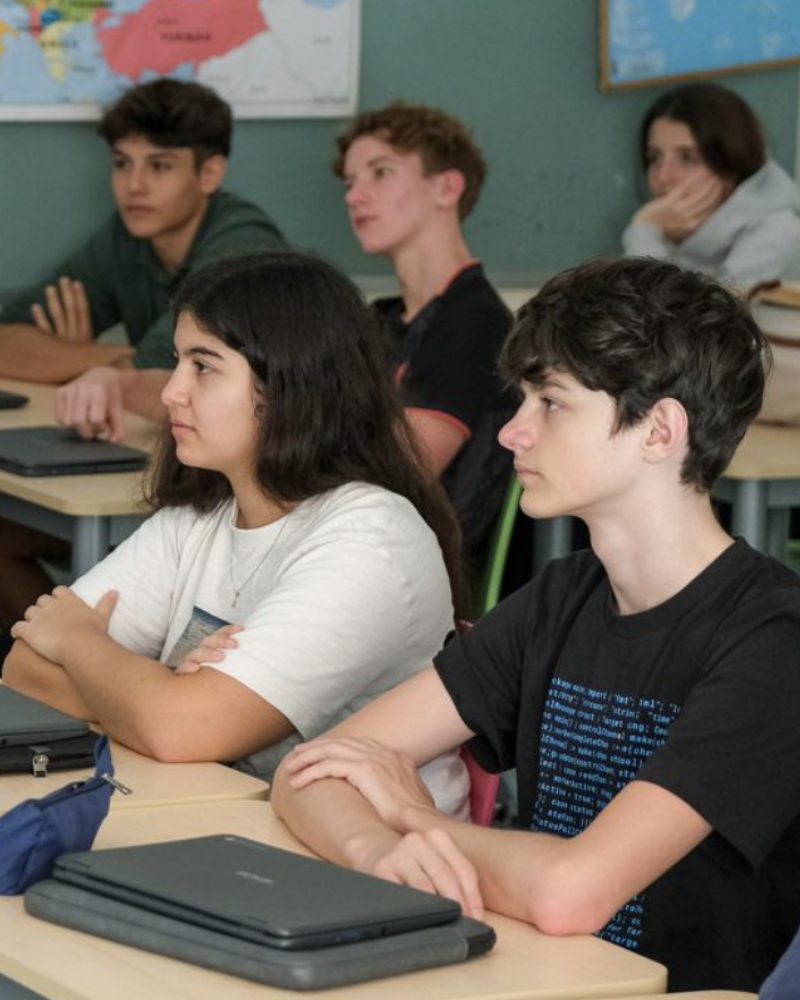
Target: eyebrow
[(681, 145), (203, 352), (383, 158), (549, 382), (170, 154)]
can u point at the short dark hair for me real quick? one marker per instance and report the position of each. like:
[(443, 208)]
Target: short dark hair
[(643, 330), (442, 141), (172, 114), (725, 128), (330, 412)]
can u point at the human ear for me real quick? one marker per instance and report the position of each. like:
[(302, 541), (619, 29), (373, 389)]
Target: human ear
[(212, 173), (451, 185), (666, 430)]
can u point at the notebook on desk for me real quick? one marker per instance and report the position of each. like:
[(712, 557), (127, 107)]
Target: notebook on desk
[(256, 911), (60, 451)]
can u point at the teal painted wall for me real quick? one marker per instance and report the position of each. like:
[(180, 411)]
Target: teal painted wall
[(522, 73)]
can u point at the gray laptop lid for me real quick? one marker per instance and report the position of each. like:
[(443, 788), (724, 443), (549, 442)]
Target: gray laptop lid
[(24, 720), (59, 451), (12, 990), (255, 892), (289, 968), (11, 400)]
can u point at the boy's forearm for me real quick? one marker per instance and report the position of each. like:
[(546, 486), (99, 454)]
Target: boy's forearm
[(352, 832), (515, 866), (31, 354)]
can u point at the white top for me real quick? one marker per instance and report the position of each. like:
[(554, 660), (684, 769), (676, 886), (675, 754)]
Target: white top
[(340, 601)]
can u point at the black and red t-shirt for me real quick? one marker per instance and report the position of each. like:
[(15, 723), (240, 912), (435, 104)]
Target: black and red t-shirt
[(445, 362)]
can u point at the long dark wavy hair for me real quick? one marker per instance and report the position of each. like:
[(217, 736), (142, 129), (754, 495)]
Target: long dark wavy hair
[(330, 413)]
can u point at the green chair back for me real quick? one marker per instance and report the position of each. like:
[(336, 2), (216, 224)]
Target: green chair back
[(490, 579)]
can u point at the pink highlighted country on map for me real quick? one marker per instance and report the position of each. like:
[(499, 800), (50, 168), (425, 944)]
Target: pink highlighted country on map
[(166, 34)]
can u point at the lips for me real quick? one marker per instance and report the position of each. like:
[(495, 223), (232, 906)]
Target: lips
[(180, 430)]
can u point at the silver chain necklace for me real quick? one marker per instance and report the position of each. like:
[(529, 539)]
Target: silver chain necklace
[(238, 590)]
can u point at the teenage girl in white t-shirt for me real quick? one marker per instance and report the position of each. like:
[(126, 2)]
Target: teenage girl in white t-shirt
[(294, 567)]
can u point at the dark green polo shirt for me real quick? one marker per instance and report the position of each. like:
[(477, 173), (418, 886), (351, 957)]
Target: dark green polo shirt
[(127, 283)]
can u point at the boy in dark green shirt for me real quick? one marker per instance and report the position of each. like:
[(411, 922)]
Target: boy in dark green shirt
[(170, 142)]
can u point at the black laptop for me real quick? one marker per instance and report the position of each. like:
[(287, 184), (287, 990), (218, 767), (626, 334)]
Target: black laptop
[(60, 451), (256, 892), (255, 911), (24, 720), (11, 400)]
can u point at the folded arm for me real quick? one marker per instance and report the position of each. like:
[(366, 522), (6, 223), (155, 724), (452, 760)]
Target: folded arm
[(562, 886), (28, 672), (205, 715), (26, 352)]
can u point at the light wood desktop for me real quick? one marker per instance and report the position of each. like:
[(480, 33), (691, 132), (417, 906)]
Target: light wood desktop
[(79, 509), (697, 995), (67, 965), (151, 783)]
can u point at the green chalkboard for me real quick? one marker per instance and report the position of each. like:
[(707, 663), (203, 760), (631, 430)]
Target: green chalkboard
[(649, 41)]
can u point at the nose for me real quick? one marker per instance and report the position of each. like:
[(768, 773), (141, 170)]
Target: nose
[(664, 176), (354, 195), (175, 393), (135, 179), (518, 434)]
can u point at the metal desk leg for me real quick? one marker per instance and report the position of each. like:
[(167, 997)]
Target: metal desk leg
[(778, 532), (552, 538), (749, 516), (90, 543)]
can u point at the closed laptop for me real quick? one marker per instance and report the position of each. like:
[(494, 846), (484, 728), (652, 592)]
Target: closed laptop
[(24, 720), (60, 451), (255, 892), (11, 400)]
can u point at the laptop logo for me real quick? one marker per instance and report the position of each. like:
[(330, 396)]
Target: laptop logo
[(255, 877)]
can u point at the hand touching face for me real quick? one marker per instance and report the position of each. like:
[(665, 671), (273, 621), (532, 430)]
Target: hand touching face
[(686, 190)]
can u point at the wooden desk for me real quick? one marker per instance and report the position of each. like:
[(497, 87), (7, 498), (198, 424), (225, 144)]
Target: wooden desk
[(79, 509), (66, 965), (697, 995), (151, 783), (762, 483)]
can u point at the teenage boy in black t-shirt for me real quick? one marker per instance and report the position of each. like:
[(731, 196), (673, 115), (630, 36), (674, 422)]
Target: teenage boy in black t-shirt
[(412, 175), (647, 691)]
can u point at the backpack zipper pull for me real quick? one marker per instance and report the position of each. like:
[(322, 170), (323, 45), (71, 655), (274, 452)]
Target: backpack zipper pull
[(122, 789)]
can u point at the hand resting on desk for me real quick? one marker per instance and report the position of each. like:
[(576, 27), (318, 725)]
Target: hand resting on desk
[(94, 404)]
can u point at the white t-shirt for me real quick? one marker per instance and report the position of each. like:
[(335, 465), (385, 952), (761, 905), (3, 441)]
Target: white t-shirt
[(340, 600)]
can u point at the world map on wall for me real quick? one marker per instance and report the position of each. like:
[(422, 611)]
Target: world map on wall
[(64, 59)]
